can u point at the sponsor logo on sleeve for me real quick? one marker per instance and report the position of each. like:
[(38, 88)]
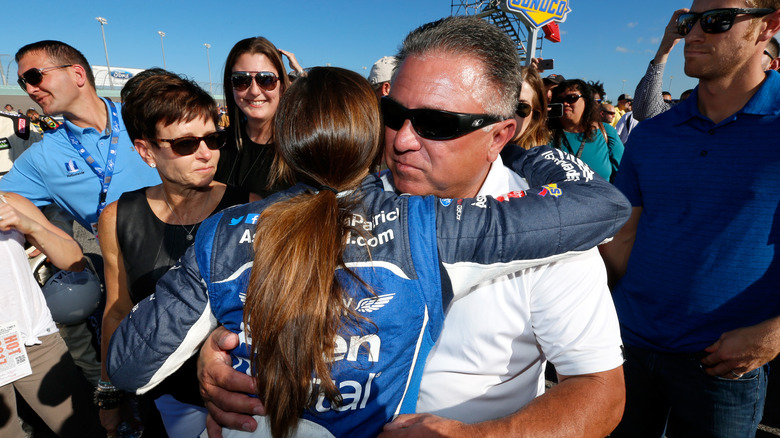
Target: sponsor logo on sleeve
[(252, 218), (575, 168), (510, 195), (445, 202), (236, 220), (551, 189)]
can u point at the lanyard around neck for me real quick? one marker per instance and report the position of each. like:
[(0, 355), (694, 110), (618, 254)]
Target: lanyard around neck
[(104, 175)]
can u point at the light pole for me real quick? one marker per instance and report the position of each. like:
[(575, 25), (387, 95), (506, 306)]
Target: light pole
[(623, 88), (5, 80), (162, 34), (103, 22), (208, 61), (670, 83), (8, 69)]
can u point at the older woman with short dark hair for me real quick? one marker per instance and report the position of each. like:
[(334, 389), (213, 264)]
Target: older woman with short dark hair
[(173, 125)]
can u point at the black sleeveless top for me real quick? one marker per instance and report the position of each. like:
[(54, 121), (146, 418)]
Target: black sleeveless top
[(248, 169), (150, 246)]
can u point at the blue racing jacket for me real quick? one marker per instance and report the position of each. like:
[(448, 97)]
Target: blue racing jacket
[(413, 243)]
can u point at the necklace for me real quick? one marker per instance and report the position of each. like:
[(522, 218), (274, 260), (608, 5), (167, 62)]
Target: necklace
[(181, 222)]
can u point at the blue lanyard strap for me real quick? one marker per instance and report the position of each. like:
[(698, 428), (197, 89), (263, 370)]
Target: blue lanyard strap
[(104, 176)]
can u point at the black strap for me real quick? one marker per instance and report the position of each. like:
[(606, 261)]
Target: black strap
[(571, 151)]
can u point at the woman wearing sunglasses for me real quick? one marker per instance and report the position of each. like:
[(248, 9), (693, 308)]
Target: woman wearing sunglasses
[(531, 113), (336, 284), (172, 123), (579, 131), (254, 81)]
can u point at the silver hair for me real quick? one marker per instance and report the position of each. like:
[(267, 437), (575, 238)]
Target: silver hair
[(472, 37)]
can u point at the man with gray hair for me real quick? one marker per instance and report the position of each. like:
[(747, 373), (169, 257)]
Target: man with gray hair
[(486, 372)]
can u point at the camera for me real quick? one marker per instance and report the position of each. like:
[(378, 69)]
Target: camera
[(554, 110)]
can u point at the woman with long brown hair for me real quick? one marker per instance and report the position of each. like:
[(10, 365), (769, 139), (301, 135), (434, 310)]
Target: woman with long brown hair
[(531, 113), (254, 81), (335, 286)]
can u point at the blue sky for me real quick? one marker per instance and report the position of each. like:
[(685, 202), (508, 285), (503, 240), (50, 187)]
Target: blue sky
[(604, 40)]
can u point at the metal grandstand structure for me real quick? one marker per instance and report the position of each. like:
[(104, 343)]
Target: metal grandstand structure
[(508, 22)]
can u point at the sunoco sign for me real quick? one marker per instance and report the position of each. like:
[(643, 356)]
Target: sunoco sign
[(540, 12)]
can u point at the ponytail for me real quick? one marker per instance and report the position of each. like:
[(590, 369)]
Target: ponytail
[(294, 305), (328, 134)]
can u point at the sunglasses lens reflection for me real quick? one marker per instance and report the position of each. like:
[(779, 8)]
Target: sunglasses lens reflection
[(32, 76), (712, 21), (242, 80), (523, 110), (430, 124), (189, 145)]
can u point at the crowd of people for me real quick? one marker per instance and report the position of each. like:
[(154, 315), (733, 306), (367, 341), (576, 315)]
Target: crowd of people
[(406, 254)]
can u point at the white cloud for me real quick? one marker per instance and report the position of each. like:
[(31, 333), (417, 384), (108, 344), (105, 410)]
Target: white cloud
[(622, 49), (655, 40), (632, 24), (639, 40)]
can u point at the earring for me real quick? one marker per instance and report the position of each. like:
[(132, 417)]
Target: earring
[(152, 165)]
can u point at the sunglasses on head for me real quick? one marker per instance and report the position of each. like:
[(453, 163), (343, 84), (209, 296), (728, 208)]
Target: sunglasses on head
[(523, 110), (433, 124), (34, 76), (716, 20), (569, 98), (189, 145), (241, 80)]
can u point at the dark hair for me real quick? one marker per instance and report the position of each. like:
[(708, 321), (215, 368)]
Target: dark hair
[(598, 87), (254, 45), (59, 53), (590, 115), (538, 133), (328, 133), (470, 36), (159, 96), (684, 95)]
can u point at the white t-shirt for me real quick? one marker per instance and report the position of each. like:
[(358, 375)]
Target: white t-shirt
[(21, 296), (489, 360)]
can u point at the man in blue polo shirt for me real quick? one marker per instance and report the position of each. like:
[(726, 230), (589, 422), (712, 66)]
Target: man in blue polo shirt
[(83, 165), (89, 161), (698, 302)]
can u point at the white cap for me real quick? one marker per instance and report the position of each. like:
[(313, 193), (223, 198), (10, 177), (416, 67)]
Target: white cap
[(382, 71)]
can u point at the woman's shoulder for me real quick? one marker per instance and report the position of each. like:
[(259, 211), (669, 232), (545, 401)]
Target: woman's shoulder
[(611, 131), (134, 194)]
